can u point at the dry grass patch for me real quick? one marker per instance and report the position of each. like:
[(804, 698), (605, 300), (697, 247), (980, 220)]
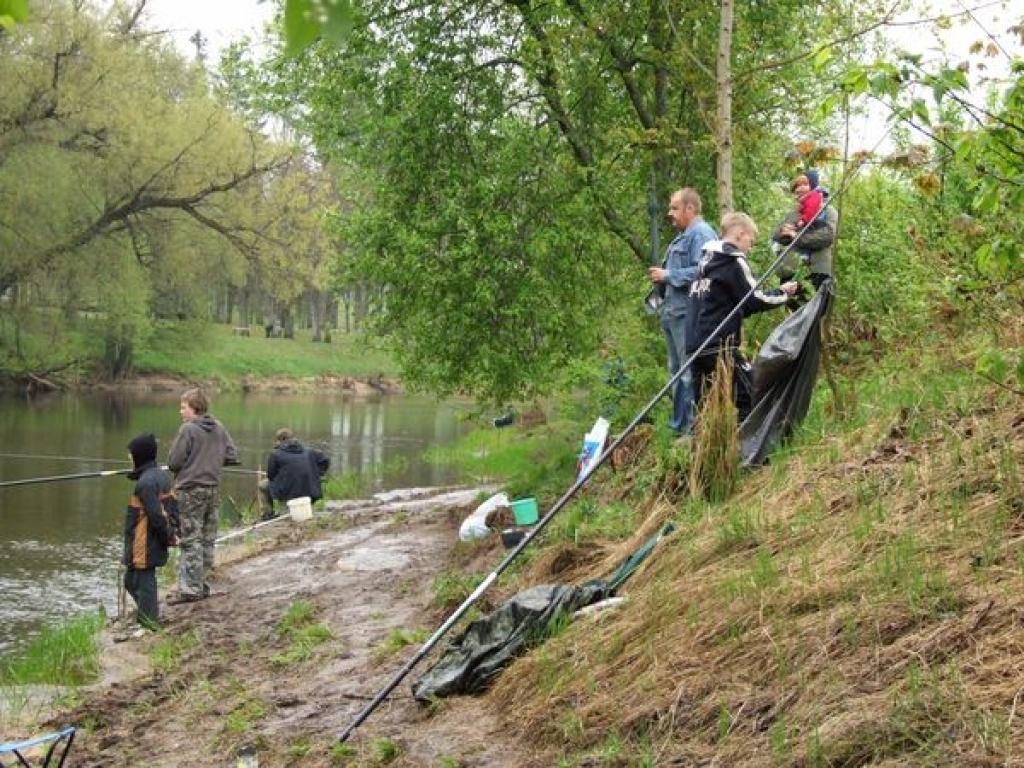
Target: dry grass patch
[(869, 615)]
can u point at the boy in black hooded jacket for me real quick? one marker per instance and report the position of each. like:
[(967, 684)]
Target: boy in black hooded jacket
[(724, 278), (147, 528)]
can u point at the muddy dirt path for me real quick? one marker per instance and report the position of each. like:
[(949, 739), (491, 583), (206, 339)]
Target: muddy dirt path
[(227, 676)]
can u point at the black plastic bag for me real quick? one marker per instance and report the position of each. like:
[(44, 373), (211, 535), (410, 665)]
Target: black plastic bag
[(785, 370)]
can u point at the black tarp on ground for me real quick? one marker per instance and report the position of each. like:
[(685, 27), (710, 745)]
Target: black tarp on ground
[(476, 656), (785, 370)]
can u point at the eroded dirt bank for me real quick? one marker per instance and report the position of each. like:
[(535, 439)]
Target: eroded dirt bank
[(236, 679)]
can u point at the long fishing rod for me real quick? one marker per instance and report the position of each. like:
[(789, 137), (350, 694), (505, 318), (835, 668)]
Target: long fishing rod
[(582, 480), (58, 478), (102, 473), (91, 460)]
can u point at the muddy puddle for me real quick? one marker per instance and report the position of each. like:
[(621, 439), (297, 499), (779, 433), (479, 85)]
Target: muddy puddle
[(230, 676)]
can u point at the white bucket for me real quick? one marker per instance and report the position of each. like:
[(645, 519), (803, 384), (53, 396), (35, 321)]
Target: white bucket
[(301, 508)]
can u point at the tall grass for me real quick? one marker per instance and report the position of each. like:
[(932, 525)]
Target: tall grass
[(67, 654), (714, 471)]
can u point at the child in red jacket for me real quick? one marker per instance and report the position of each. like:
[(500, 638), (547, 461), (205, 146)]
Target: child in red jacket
[(809, 200)]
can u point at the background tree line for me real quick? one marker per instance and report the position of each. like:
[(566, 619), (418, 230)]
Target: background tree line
[(485, 171), (132, 192)]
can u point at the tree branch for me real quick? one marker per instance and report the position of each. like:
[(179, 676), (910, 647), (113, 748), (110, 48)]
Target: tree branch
[(116, 217), (547, 79), (623, 64), (777, 64)]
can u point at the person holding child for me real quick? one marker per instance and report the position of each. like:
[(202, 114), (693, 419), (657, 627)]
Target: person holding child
[(723, 281), (813, 245)]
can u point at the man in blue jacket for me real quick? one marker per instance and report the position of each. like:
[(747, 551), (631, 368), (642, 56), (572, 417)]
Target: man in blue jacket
[(680, 267), (292, 471)]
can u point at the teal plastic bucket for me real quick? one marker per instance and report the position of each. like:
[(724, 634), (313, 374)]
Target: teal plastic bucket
[(525, 511)]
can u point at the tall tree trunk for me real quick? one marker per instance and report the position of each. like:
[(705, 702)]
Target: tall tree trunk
[(331, 318), (361, 298), (723, 122), (244, 308), (316, 318), (288, 322)]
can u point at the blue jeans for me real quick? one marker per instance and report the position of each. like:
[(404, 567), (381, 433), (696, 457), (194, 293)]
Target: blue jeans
[(682, 393)]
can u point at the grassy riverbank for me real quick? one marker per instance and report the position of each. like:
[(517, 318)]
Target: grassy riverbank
[(855, 602), (67, 654), (209, 352)]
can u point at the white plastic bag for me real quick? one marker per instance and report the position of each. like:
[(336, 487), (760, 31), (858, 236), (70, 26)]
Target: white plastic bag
[(475, 526)]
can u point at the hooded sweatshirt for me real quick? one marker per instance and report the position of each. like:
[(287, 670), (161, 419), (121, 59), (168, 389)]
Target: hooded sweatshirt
[(201, 447), (294, 471), (724, 278), (148, 528)]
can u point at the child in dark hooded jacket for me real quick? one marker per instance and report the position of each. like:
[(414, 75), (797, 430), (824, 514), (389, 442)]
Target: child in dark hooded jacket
[(723, 280), (148, 528)]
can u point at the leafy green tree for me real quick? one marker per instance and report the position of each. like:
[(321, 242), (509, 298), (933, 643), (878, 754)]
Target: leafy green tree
[(505, 148), (112, 144), (967, 171)]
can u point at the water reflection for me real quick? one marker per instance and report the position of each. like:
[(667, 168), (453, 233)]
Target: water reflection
[(59, 542)]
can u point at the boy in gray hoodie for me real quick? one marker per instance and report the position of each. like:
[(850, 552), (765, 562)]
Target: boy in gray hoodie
[(201, 447)]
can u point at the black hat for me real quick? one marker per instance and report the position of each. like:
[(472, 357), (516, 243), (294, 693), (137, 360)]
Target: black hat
[(143, 449)]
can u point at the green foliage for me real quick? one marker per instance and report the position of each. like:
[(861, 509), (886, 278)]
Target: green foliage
[(141, 193), (212, 352), (304, 635), (519, 172), (385, 751), (452, 587), (397, 639), (166, 651), (968, 179), (586, 521), (998, 365), (63, 655), (347, 485), (532, 461), (12, 12), (296, 615), (300, 748), (305, 20), (244, 716), (341, 752)]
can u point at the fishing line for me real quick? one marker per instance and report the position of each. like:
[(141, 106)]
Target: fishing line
[(584, 478)]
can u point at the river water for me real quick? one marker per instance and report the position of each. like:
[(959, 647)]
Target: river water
[(60, 542)]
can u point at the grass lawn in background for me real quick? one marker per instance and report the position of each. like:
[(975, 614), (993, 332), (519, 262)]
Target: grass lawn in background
[(214, 352)]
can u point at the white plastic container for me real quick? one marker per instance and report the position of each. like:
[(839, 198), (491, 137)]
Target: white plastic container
[(301, 508), (593, 445)]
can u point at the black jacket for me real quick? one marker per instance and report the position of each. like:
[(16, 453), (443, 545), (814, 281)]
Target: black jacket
[(294, 471), (147, 520), (724, 278)]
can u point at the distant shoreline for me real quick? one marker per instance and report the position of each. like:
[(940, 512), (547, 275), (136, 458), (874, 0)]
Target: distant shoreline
[(356, 386)]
